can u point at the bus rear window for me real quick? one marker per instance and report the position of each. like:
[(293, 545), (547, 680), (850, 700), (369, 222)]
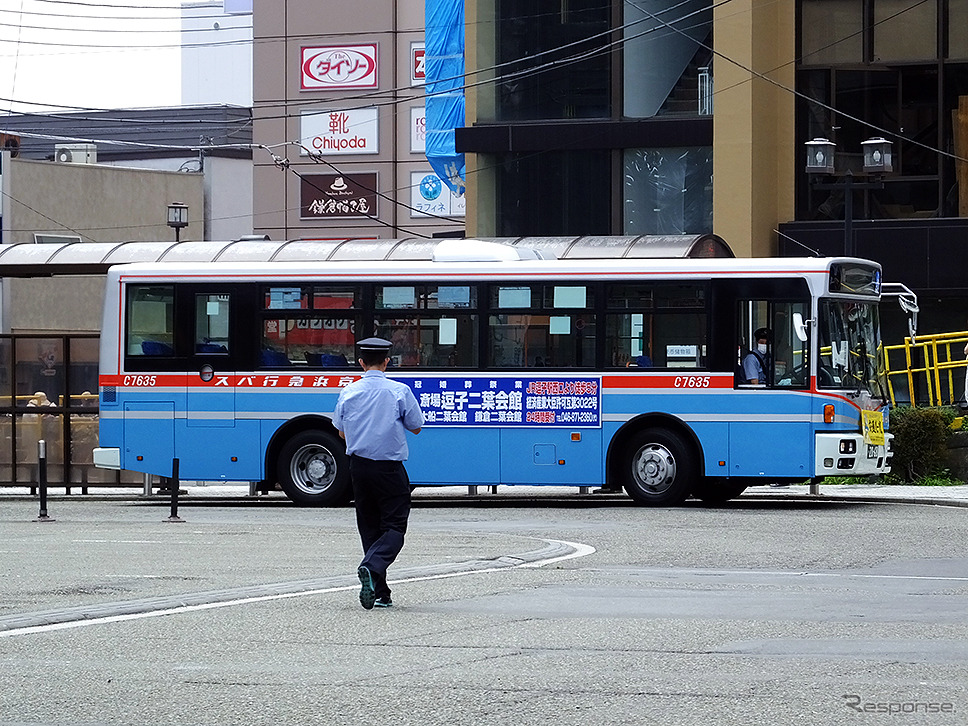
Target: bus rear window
[(149, 320)]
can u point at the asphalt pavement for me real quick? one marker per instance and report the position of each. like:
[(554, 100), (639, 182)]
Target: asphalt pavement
[(531, 605)]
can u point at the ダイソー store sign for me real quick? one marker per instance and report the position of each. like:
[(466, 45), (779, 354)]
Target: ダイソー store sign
[(335, 67), (351, 131), (331, 196)]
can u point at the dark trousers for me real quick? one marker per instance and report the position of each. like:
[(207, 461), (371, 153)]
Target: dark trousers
[(381, 491)]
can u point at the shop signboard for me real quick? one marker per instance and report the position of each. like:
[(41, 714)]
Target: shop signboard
[(418, 71), (429, 196), (340, 131), (335, 196), (418, 130), (335, 67)]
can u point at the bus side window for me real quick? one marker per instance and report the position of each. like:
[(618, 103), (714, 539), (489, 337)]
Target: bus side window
[(655, 324), (149, 320), (212, 324), (786, 358), (429, 325)]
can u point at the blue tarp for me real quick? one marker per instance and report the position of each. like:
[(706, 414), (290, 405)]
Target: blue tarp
[(444, 57)]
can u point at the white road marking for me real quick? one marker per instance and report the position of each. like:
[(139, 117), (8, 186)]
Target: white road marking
[(580, 550)]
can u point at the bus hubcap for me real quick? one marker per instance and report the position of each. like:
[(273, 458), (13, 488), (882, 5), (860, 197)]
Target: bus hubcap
[(655, 468), (313, 468)]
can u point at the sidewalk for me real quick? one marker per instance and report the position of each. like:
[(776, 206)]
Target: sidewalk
[(201, 491), (951, 496)]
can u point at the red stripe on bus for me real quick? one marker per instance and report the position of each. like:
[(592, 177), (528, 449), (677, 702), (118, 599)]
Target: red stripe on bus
[(228, 380), (696, 381)]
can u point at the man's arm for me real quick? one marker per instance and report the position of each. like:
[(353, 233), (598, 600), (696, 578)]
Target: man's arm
[(413, 418)]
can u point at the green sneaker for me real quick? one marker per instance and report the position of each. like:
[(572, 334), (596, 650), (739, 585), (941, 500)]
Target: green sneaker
[(367, 591)]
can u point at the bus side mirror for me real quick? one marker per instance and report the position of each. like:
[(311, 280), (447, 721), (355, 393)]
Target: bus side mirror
[(800, 327)]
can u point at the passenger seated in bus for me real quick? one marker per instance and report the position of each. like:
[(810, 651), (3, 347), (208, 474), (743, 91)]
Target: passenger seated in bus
[(205, 345), (756, 363), (327, 360), (156, 347), (272, 357), (641, 361)]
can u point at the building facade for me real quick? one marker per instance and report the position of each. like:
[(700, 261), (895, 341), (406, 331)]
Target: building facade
[(339, 119)]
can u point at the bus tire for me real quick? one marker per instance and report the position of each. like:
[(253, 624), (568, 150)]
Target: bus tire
[(314, 471), (660, 468), (718, 490)]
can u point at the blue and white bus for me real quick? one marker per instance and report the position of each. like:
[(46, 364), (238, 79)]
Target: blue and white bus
[(612, 373)]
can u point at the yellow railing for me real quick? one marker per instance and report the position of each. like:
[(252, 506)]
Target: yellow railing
[(932, 368)]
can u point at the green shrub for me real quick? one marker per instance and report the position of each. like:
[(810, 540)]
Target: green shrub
[(920, 442)]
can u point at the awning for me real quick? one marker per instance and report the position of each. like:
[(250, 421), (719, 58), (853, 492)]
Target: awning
[(94, 258)]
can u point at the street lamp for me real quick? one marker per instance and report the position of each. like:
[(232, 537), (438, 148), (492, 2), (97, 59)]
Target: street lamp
[(177, 217), (820, 162)]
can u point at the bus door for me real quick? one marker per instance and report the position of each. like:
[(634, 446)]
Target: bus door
[(771, 433), (210, 395)]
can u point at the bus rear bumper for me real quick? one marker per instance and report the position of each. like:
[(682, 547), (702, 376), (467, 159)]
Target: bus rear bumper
[(107, 458), (847, 454)]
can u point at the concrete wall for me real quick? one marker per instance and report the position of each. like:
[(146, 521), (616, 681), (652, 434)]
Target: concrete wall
[(100, 203), (58, 305), (228, 198)]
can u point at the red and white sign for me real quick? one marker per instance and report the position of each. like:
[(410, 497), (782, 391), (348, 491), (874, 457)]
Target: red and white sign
[(349, 131), (334, 67), (418, 70)]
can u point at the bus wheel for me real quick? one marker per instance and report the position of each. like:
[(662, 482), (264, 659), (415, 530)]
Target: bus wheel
[(718, 490), (314, 471), (660, 468)]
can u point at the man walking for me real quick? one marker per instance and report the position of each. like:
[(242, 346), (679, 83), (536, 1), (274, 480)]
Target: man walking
[(373, 415)]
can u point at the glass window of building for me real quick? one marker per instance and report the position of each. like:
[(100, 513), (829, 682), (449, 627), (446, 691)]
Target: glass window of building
[(553, 193), (905, 30), (553, 59), (667, 72), (668, 191), (832, 31)]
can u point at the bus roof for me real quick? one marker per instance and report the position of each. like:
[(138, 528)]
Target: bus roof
[(480, 269)]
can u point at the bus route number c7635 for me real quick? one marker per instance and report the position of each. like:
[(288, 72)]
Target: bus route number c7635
[(139, 381), (691, 382)]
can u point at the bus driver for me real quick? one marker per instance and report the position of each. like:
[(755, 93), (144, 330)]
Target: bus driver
[(756, 364)]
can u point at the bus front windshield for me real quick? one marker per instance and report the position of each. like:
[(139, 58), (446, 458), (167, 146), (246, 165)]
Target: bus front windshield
[(850, 347)]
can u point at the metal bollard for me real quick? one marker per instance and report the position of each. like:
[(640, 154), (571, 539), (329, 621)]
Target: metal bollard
[(815, 485), (175, 484), (42, 480)]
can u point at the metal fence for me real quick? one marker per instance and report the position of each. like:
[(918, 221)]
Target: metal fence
[(928, 372), (49, 391)]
